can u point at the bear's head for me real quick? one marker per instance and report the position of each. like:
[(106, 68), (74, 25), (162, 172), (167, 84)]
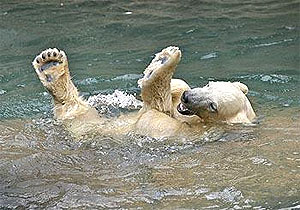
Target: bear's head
[(218, 101)]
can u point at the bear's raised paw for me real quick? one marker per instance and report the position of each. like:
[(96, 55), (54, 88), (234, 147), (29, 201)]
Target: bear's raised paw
[(163, 64), (50, 64)]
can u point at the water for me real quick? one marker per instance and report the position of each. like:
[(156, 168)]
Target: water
[(109, 43)]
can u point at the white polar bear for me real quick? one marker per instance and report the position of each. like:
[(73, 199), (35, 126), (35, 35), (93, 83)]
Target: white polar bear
[(166, 110)]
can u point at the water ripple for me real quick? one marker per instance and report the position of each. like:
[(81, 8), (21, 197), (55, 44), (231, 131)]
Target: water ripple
[(271, 78), (209, 56), (273, 43), (229, 194)]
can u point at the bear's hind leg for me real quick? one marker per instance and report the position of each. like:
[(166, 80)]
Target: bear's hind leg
[(155, 85), (51, 66)]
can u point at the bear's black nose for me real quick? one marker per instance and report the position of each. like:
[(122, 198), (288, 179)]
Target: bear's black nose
[(184, 97)]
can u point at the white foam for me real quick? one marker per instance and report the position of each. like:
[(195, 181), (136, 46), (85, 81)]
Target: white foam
[(2, 92), (117, 99), (127, 77)]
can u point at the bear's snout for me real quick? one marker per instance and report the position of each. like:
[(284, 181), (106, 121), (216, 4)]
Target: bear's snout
[(185, 97)]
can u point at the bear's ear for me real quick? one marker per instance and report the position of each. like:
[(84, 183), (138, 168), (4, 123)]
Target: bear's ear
[(241, 86)]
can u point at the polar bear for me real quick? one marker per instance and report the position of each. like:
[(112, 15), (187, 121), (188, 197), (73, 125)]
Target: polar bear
[(170, 106)]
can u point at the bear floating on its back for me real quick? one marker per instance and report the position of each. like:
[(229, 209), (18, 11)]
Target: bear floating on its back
[(170, 107)]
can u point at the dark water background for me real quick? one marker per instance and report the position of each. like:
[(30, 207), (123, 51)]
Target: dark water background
[(108, 44)]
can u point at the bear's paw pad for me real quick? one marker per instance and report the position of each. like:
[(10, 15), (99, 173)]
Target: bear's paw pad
[(166, 54), (167, 57), (49, 58)]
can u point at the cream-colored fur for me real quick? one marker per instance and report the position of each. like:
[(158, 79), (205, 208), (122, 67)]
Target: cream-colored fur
[(219, 101), (160, 93), (52, 69), (156, 83)]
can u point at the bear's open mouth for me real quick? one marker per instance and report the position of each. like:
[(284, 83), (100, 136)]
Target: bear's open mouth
[(182, 109)]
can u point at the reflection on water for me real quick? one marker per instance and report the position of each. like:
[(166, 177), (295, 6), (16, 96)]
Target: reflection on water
[(109, 43)]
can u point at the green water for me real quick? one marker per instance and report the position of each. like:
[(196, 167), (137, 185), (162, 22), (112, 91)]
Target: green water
[(108, 44)]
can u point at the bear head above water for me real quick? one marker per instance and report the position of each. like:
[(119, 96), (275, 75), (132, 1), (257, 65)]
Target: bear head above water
[(218, 101)]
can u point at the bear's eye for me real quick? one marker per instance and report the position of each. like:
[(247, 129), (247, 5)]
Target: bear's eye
[(213, 107)]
